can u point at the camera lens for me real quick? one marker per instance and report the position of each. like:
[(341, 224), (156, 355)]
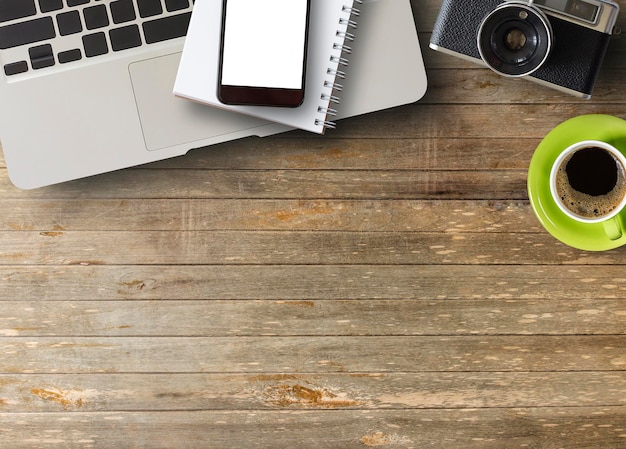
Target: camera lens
[(515, 39)]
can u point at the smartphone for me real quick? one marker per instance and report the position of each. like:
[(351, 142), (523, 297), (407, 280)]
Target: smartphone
[(263, 52)]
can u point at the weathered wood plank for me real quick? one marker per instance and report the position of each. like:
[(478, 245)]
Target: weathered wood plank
[(571, 427), (482, 86), (468, 316), (295, 354), (285, 248), (292, 184), (35, 393), (278, 215), (309, 282)]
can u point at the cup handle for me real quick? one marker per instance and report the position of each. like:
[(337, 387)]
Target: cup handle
[(613, 227)]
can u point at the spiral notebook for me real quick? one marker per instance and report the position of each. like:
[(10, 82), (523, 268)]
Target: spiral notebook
[(330, 36)]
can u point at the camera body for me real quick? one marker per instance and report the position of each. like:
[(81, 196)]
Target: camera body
[(558, 43)]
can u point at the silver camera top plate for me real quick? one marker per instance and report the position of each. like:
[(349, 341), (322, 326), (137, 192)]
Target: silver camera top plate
[(599, 15)]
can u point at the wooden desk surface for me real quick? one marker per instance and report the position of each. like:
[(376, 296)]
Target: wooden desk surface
[(386, 285)]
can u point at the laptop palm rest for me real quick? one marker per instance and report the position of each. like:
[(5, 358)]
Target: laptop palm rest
[(168, 121)]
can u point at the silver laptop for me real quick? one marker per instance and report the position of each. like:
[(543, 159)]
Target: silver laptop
[(87, 84)]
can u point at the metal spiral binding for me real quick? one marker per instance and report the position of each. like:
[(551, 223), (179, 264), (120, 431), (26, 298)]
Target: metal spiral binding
[(330, 98), (351, 23), (325, 123), (328, 111), (336, 73), (340, 61), (352, 11), (334, 86), (345, 35), (342, 47)]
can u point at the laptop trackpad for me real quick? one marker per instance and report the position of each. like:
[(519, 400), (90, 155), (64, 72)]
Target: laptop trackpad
[(167, 120)]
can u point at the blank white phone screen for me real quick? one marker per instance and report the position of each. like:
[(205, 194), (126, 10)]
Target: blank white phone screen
[(264, 43)]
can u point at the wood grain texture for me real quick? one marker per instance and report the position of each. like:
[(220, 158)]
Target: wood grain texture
[(303, 354), (496, 314), (140, 215), (100, 393), (89, 281), (587, 427), (385, 285)]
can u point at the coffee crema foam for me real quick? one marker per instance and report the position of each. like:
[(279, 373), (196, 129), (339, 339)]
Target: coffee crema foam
[(586, 205)]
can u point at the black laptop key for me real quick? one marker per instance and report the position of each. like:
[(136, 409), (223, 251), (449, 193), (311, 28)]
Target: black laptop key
[(166, 28), (122, 11), (96, 17), (125, 37), (41, 56), (50, 5), (176, 5), (149, 8), (28, 32), (16, 9), (77, 2), (15, 67), (69, 56), (69, 23), (95, 44)]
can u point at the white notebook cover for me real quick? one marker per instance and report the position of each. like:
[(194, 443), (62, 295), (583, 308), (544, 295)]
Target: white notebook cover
[(198, 70)]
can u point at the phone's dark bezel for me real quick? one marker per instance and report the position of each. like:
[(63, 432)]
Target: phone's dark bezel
[(262, 96)]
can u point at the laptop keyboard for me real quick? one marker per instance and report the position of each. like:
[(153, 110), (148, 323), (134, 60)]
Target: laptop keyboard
[(38, 34)]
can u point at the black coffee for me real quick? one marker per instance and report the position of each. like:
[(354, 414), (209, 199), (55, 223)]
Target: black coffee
[(591, 182)]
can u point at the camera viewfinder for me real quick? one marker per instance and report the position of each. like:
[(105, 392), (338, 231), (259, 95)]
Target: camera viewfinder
[(579, 9)]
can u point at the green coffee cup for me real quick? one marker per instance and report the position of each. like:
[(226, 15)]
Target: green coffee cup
[(593, 233)]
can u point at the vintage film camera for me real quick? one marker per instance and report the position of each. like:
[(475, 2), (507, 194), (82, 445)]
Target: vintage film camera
[(558, 43)]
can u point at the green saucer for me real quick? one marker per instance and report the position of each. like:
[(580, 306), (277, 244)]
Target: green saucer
[(585, 236)]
